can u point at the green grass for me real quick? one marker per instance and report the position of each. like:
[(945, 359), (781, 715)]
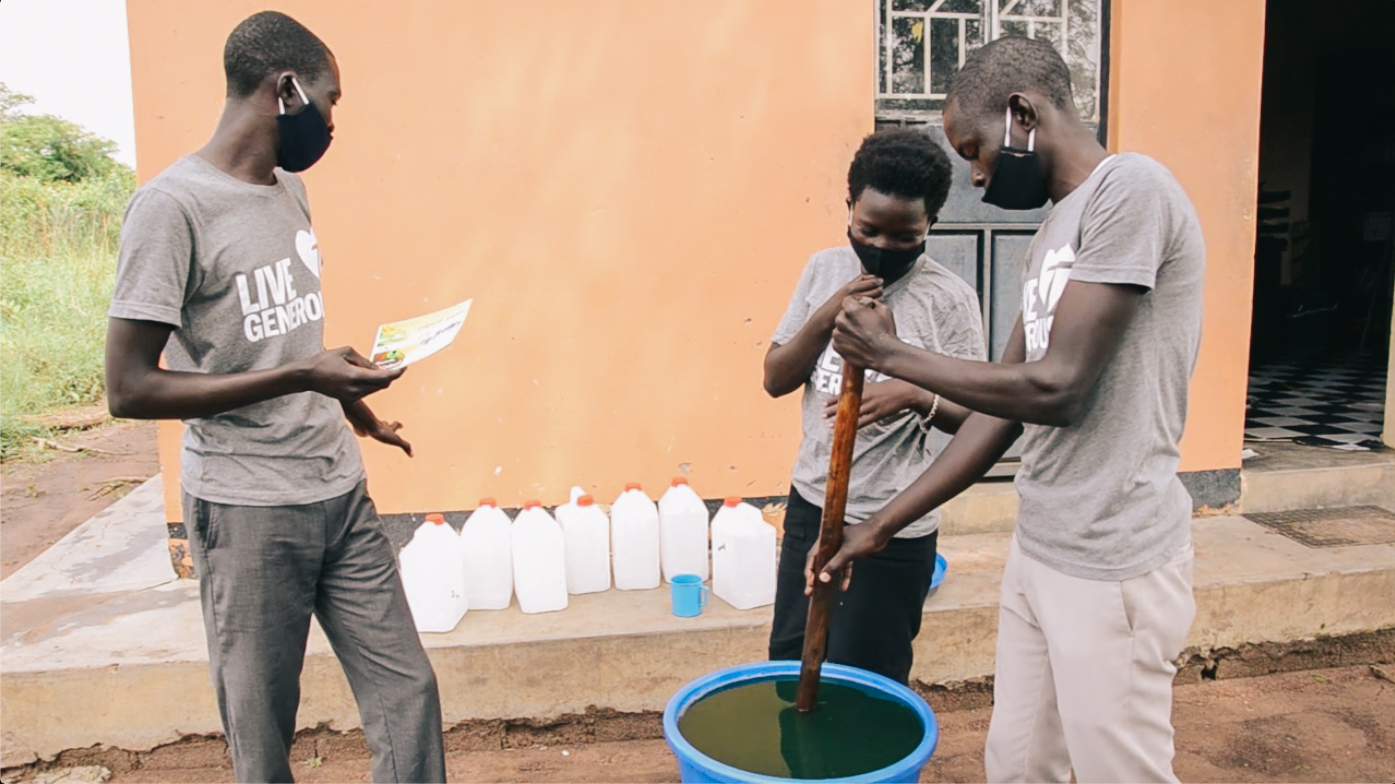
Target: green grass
[(58, 245)]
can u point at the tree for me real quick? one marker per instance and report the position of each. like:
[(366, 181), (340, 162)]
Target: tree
[(49, 148), (9, 101)]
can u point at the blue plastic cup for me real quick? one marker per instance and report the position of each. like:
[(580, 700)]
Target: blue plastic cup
[(689, 595)]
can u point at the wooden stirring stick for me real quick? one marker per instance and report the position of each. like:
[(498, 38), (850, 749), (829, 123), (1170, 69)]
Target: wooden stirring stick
[(835, 503)]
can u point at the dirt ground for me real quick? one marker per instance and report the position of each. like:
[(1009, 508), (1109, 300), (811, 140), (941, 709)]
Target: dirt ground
[(1333, 725), (1314, 725), (45, 496)]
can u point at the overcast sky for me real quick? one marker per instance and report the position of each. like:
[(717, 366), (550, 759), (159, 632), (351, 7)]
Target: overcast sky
[(74, 58)]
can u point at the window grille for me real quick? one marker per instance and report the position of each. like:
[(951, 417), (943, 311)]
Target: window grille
[(922, 43)]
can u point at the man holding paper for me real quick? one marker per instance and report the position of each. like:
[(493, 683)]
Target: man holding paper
[(218, 253)]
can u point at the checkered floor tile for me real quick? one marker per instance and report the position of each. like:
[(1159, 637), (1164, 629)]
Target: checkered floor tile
[(1335, 401)]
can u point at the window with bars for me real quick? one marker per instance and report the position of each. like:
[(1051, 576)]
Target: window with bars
[(922, 43)]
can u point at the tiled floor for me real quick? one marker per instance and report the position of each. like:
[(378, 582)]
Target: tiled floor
[(1334, 401)]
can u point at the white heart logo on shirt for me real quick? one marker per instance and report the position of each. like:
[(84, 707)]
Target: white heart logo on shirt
[(1055, 273), (308, 248)]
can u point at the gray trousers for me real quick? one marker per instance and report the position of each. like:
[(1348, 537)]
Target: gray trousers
[(263, 571)]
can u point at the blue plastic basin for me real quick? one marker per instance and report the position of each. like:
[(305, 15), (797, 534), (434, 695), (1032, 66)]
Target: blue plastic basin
[(694, 766)]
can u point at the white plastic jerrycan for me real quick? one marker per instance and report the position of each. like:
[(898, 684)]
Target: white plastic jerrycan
[(743, 556), (586, 531), (683, 535), (539, 561), (434, 577), (634, 540), (487, 553)]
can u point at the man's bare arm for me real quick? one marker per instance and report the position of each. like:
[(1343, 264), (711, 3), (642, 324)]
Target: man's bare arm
[(788, 366), (1088, 325), (138, 388), (367, 425), (979, 443)]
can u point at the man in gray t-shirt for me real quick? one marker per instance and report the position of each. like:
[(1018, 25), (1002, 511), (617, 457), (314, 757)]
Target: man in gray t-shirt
[(1096, 598), (1100, 498), (219, 272), (238, 301), (897, 183)]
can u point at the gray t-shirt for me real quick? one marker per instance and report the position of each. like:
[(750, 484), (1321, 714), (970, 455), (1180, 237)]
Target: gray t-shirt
[(935, 310), (1101, 499), (234, 267)]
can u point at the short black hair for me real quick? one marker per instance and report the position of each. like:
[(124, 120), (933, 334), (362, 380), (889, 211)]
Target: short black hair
[(267, 43), (1011, 64), (901, 162)]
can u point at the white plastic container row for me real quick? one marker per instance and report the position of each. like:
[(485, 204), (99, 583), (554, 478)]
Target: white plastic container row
[(539, 561), (683, 532), (634, 540), (743, 556), (433, 576), (586, 535), (542, 560)]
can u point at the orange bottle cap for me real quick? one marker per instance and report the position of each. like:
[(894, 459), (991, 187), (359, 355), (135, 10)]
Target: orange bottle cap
[(584, 500), (436, 518), (731, 500), (531, 504), (632, 486), (678, 480)]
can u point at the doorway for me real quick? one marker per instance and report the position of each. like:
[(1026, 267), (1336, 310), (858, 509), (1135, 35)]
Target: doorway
[(1325, 250)]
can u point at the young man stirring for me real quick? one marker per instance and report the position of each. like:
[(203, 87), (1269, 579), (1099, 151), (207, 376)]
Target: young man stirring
[(218, 253), (1096, 598), (897, 184)]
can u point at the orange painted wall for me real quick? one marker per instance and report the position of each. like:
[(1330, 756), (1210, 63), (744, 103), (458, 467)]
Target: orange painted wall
[(1187, 92), (628, 190)]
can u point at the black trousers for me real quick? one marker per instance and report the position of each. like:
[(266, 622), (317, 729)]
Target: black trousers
[(872, 624)]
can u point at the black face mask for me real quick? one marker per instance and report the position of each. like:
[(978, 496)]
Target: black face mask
[(304, 135), (889, 265), (1018, 181)]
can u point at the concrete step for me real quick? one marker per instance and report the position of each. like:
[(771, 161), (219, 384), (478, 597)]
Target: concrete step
[(101, 646), (1285, 477), (987, 507)]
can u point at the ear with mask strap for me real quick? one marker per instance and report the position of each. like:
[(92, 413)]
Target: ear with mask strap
[(281, 105), (1007, 130), (1019, 182)]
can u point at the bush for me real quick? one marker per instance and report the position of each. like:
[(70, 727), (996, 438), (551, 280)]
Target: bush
[(58, 242), (48, 148)]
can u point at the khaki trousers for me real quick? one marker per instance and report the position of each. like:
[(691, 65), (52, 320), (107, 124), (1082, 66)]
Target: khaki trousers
[(1084, 673)]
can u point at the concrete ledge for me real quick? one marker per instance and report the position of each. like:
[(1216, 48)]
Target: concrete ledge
[(1287, 476), (1265, 658), (1212, 492), (987, 507), (1252, 585), (991, 507), (122, 662)]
